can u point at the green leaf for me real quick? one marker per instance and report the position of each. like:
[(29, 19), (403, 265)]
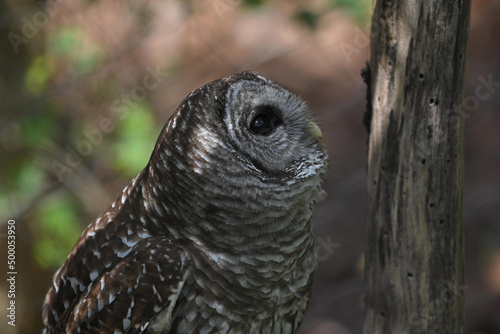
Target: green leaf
[(359, 10), (30, 177), (254, 3), (57, 230), (135, 140), (71, 44), (309, 18), (37, 127), (16, 190), (38, 74), (64, 41)]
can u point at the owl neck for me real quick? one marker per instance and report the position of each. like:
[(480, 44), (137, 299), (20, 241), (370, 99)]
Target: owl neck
[(245, 215)]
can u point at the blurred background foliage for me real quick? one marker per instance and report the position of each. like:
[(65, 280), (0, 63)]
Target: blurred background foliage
[(68, 51), (86, 87)]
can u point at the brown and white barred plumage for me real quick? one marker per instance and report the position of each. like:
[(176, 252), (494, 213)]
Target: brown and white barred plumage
[(214, 235)]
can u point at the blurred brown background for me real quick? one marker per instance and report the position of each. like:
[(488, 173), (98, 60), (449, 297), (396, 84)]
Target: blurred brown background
[(86, 87)]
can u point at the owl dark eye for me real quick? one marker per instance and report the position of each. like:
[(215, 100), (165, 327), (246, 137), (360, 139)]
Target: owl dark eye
[(265, 122)]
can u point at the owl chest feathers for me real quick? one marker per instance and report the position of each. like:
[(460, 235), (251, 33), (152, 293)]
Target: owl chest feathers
[(264, 293), (248, 263)]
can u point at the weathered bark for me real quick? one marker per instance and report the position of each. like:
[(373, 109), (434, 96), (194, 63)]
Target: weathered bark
[(414, 256)]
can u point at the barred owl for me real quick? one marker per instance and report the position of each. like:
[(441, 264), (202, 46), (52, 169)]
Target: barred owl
[(214, 235)]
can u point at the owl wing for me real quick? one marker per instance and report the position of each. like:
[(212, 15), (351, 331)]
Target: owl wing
[(128, 297)]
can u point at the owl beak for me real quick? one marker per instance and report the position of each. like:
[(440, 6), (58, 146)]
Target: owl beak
[(315, 131)]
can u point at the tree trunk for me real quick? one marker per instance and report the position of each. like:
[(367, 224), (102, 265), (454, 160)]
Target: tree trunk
[(415, 249)]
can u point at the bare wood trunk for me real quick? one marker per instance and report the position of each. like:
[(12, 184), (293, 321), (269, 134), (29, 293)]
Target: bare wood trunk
[(414, 257)]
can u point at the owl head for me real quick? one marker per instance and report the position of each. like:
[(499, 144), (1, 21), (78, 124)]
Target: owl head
[(245, 123), (238, 153)]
